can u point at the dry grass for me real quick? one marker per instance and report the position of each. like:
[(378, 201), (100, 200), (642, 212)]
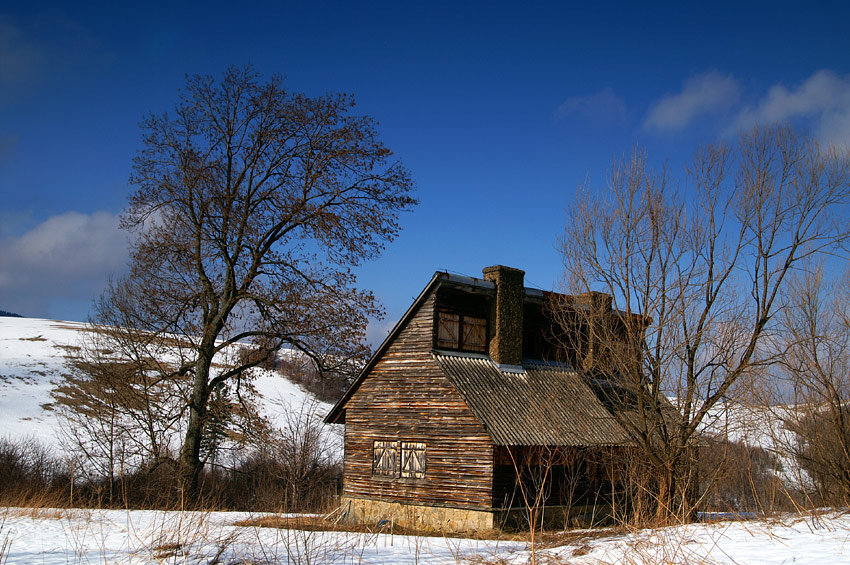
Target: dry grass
[(40, 513), (5, 539), (167, 550), (548, 540), (321, 524)]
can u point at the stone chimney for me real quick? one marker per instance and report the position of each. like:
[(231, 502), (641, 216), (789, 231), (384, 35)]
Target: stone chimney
[(506, 315), (598, 302), (597, 307)]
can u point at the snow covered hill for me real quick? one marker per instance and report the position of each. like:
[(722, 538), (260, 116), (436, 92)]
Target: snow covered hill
[(33, 356), (762, 427)]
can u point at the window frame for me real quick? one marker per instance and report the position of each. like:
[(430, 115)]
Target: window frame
[(407, 459), (464, 329)]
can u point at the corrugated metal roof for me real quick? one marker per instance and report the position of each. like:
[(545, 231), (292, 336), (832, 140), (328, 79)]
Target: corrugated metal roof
[(548, 404)]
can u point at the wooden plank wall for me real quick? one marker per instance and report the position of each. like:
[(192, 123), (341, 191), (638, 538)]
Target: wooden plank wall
[(407, 398)]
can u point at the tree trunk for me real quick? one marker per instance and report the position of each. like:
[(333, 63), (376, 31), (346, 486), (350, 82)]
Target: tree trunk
[(665, 496), (190, 453)]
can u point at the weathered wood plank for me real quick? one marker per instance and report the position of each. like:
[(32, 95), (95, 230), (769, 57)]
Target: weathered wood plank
[(406, 398)]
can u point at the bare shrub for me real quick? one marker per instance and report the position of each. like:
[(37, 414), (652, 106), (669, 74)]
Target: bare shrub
[(30, 472), (817, 371), (739, 478), (326, 387), (296, 466), (823, 435)]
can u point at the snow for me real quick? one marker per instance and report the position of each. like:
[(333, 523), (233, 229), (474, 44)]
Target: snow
[(33, 355), (32, 358), (792, 539), (139, 537), (115, 536)]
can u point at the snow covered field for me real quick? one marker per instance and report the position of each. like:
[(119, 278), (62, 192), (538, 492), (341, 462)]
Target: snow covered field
[(136, 537)]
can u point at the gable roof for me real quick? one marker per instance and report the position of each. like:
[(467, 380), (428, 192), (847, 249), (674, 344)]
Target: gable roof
[(542, 403), (547, 404)]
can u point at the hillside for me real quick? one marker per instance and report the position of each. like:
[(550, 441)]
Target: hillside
[(33, 355)]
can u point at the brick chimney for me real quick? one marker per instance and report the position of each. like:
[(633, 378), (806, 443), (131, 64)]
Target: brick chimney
[(506, 315)]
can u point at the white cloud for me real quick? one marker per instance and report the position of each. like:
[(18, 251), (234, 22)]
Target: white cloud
[(700, 95), (65, 259), (604, 105), (822, 101)]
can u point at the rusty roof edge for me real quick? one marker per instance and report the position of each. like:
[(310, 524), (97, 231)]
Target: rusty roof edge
[(464, 280)]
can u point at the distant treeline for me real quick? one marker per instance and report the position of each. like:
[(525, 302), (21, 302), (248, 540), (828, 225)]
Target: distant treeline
[(5, 314)]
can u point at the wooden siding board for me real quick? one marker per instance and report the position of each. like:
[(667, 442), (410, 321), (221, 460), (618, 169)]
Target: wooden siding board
[(406, 397)]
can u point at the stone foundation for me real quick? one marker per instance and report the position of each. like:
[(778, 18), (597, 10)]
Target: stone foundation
[(365, 511), (439, 518)]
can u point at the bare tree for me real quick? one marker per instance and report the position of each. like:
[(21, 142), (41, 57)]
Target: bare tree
[(816, 362), (533, 470), (118, 413), (122, 410), (696, 278), (251, 205)]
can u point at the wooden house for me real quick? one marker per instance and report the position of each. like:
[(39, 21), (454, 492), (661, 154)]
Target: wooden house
[(466, 403)]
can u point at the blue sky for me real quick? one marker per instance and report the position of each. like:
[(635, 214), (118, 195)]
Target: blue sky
[(499, 109)]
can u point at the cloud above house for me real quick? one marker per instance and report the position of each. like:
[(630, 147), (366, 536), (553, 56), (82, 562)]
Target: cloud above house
[(603, 106), (822, 102), (701, 95), (66, 259)]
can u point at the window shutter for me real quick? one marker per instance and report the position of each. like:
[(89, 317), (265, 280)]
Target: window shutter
[(448, 330), (385, 458), (474, 333), (412, 460)]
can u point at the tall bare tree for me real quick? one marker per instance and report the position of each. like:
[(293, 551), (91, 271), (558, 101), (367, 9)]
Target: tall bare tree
[(697, 277), (816, 364), (251, 205)]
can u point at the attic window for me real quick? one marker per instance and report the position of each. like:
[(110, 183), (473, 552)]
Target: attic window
[(458, 331)]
